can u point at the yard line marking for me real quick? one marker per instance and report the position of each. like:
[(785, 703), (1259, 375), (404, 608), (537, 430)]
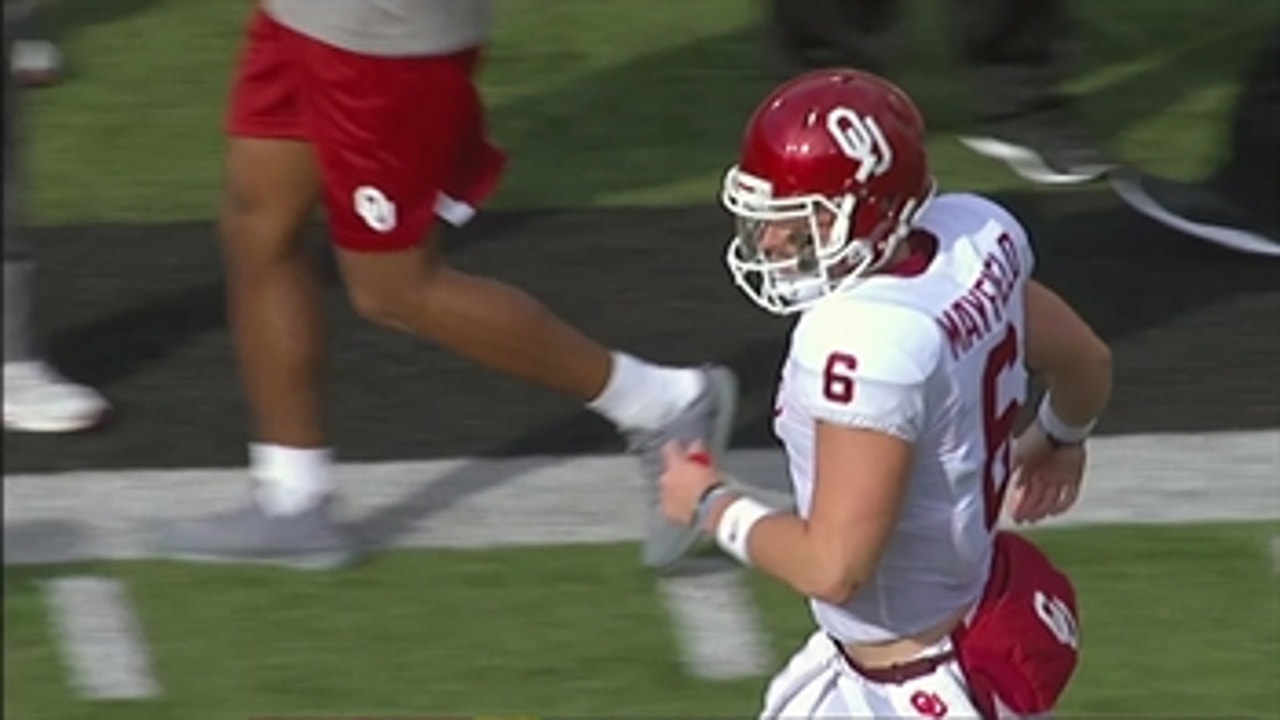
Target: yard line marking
[(101, 642), (720, 634), (485, 502)]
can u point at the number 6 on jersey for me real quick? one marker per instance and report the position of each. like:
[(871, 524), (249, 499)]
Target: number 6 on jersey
[(837, 378), (997, 425)]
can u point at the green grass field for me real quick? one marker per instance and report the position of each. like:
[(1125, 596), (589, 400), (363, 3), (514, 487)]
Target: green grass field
[(624, 105), (606, 104), (1178, 621)]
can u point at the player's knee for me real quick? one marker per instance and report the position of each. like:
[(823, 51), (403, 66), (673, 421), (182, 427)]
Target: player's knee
[(390, 304), (268, 197), (394, 289), (255, 243), (242, 199)]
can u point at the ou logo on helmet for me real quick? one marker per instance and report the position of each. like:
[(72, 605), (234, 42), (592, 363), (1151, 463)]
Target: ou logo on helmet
[(862, 141), (1056, 616)]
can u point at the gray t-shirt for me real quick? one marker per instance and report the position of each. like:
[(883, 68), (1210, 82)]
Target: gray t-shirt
[(388, 27)]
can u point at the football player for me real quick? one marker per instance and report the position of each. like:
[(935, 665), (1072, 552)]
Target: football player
[(917, 322)]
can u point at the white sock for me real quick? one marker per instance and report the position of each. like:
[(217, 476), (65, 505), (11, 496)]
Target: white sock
[(290, 479), (641, 395)]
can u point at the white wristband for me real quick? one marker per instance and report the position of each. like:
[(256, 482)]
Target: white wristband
[(1058, 429), (735, 526)]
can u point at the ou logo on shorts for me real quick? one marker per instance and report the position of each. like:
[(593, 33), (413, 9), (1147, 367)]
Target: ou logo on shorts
[(375, 208), (1056, 616)]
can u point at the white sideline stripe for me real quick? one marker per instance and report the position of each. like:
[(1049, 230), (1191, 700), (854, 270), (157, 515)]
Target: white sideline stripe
[(100, 639), (1275, 554), (720, 634), (96, 515)]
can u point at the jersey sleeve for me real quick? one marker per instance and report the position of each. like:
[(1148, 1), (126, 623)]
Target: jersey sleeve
[(865, 365)]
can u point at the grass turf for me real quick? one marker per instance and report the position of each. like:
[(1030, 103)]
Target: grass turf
[(1179, 621), (599, 104)]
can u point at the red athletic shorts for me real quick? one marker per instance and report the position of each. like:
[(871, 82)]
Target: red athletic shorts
[(399, 139)]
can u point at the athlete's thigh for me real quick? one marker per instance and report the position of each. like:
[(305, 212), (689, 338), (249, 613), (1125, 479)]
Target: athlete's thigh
[(400, 141), (271, 173), (266, 84)]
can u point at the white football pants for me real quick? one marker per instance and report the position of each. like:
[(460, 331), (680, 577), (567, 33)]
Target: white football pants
[(818, 683)]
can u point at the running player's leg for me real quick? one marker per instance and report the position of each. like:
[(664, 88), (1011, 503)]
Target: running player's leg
[(401, 142), (274, 308)]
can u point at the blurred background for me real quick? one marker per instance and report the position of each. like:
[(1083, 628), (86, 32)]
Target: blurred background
[(508, 584)]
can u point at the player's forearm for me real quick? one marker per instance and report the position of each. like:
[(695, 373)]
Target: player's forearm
[(782, 546), (1074, 362), (1080, 390)]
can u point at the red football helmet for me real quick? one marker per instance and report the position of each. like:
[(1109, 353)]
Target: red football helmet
[(839, 156)]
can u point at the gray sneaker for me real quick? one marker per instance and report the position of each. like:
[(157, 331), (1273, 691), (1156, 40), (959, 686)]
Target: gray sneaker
[(710, 418), (309, 540)]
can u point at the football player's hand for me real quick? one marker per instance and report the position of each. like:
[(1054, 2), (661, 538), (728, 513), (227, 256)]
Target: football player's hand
[(1046, 479), (687, 475)]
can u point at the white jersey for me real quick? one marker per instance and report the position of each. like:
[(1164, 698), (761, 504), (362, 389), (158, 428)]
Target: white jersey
[(935, 358)]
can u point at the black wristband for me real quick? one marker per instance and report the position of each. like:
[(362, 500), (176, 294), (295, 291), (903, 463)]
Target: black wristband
[(703, 507), (1058, 444)]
